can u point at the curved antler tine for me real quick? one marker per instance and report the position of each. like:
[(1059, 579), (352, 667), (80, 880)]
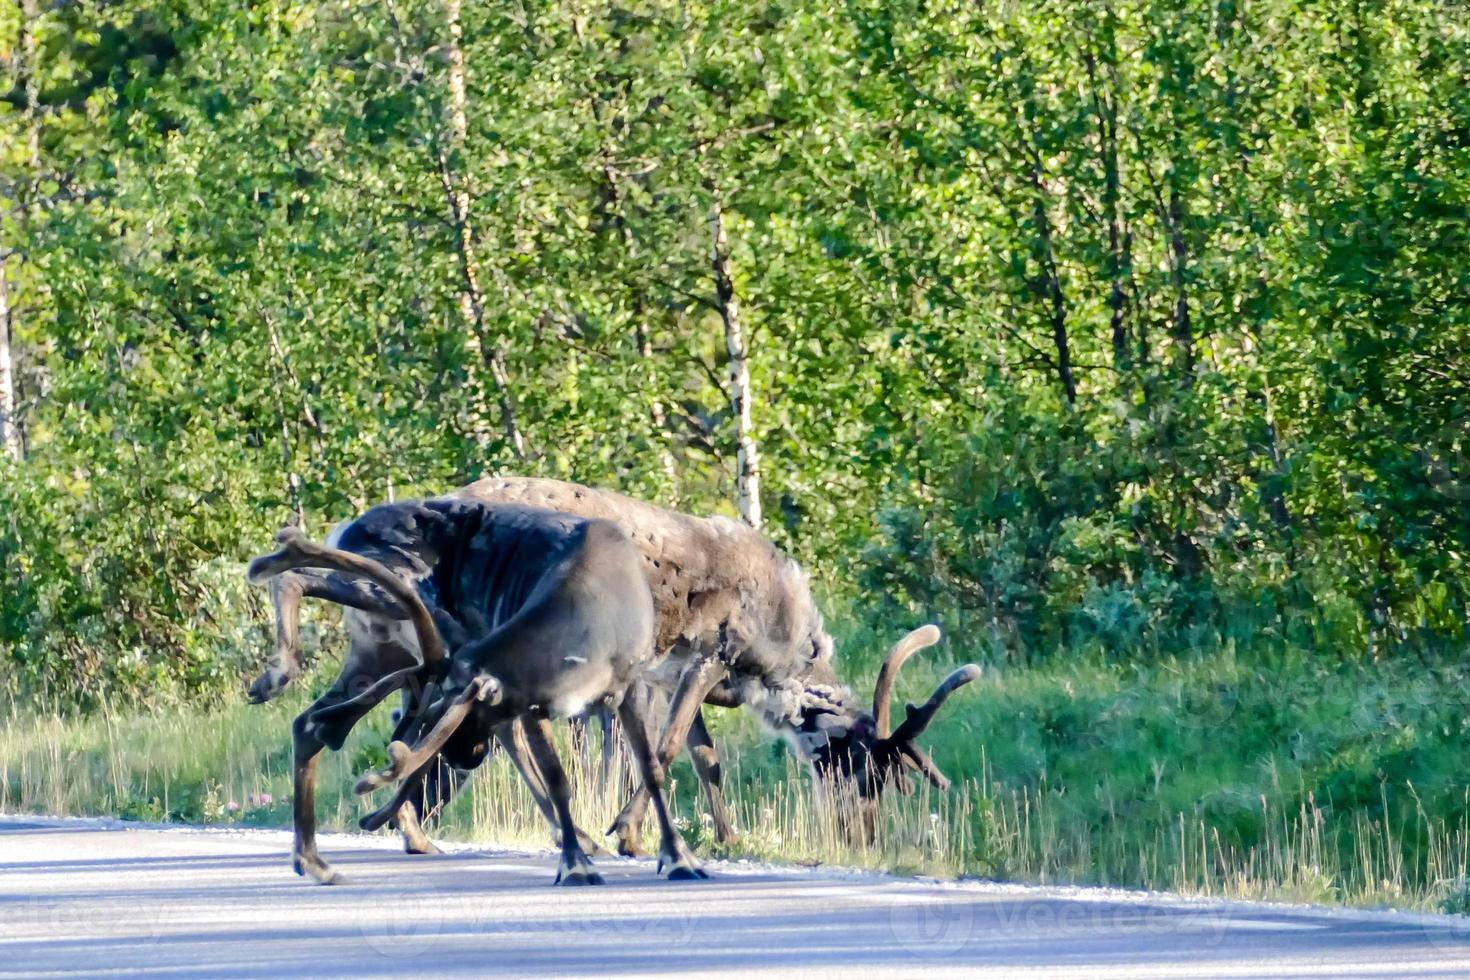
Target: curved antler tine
[(380, 689), (416, 761), (266, 567), (921, 762), (924, 636), (919, 718), (413, 784), (399, 755), (403, 759), (299, 551)]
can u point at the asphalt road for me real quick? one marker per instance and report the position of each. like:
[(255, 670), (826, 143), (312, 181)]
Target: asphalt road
[(92, 898)]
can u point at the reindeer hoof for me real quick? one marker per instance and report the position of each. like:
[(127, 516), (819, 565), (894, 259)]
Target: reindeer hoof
[(681, 865), (310, 866), (268, 685), (627, 841), (579, 872), (421, 846)]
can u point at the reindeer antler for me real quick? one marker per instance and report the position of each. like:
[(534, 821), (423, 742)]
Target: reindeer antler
[(899, 748), (924, 636), (354, 707), (407, 763), (918, 719), (299, 551)]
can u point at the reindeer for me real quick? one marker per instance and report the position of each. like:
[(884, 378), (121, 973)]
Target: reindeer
[(737, 627), (562, 619), (742, 630)]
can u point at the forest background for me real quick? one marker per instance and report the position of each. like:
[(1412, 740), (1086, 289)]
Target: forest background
[(1127, 340)]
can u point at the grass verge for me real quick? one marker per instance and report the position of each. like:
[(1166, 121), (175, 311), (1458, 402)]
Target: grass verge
[(1291, 780)]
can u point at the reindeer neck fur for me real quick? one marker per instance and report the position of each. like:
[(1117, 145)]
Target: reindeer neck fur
[(807, 710), (705, 573), (477, 563), (718, 583)]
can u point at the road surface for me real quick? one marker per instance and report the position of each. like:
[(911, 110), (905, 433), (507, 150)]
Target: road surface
[(91, 898)]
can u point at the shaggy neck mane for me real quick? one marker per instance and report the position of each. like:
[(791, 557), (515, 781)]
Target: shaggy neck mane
[(714, 575)]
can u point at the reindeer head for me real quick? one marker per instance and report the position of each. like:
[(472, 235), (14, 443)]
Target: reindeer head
[(458, 723), (461, 685), (850, 746)]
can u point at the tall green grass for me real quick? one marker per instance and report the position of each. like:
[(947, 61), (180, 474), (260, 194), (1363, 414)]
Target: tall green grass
[(1290, 780)]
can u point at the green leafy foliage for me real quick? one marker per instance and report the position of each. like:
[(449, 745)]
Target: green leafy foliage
[(1132, 328)]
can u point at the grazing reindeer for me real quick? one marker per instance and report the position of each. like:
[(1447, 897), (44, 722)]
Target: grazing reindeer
[(379, 649), (741, 627), (562, 620), (737, 625)]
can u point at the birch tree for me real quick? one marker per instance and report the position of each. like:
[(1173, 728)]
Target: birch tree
[(747, 457), (454, 172), (16, 203), (9, 421)]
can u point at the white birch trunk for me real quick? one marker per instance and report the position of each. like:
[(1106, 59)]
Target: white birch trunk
[(747, 459), (456, 189), (10, 441), (12, 438)]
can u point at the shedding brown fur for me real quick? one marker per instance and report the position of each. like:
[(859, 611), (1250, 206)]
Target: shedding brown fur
[(735, 624)]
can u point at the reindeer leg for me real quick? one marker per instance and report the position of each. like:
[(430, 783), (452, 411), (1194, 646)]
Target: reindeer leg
[(605, 719), (627, 827), (440, 783), (673, 852), (308, 738), (575, 869), (707, 765), (699, 678), (306, 749), (512, 739)]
